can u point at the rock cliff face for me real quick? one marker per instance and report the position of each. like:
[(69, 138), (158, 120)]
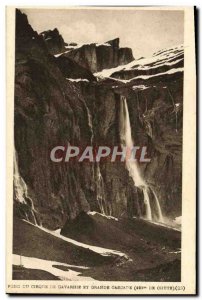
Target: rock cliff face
[(53, 40), (58, 100), (154, 90), (94, 57)]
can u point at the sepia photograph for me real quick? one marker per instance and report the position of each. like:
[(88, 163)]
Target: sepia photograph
[(101, 125)]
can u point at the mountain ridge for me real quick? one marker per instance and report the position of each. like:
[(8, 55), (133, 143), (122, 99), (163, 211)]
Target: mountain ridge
[(56, 102)]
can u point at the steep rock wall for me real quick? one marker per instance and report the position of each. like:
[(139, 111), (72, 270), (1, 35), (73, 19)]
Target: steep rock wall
[(51, 110)]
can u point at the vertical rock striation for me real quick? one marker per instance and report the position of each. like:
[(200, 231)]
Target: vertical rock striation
[(59, 101)]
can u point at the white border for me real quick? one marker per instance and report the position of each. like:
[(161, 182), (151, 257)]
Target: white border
[(2, 73)]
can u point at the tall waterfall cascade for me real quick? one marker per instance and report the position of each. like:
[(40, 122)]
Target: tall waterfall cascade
[(100, 197), (100, 190), (20, 188), (152, 206)]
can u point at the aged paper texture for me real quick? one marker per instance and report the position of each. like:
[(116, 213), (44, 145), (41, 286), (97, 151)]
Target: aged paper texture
[(101, 150)]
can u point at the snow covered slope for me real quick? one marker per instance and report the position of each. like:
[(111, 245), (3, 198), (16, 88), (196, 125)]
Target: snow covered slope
[(162, 63)]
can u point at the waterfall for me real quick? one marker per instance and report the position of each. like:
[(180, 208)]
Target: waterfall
[(96, 174), (126, 140), (160, 216), (100, 189), (132, 166), (90, 122), (20, 189), (147, 204), (99, 180)]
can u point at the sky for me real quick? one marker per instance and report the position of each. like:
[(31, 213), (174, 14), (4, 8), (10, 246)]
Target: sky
[(145, 31)]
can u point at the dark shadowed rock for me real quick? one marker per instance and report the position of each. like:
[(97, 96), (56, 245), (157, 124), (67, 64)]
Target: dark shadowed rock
[(97, 57), (125, 55), (51, 111), (54, 41), (114, 43), (70, 69), (83, 223), (85, 56)]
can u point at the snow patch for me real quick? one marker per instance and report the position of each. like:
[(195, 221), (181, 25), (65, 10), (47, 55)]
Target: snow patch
[(144, 77), (93, 213), (172, 71), (61, 53), (72, 47), (140, 87), (50, 267), (170, 50), (102, 44), (158, 64), (163, 58), (77, 79), (98, 250), (175, 252)]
